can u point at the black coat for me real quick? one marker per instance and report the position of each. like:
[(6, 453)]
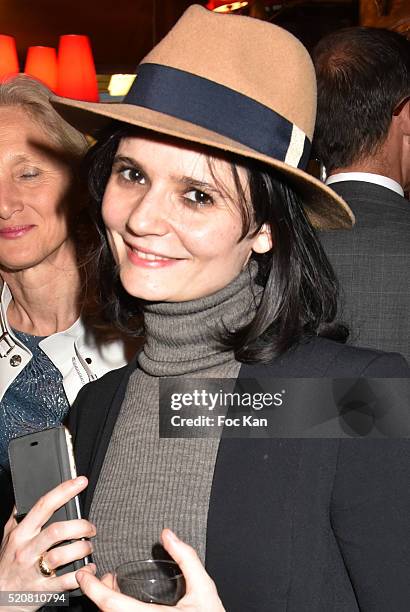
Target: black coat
[(372, 263), (298, 525)]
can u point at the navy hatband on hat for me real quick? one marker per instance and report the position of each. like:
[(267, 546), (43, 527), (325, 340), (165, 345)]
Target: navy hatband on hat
[(220, 109)]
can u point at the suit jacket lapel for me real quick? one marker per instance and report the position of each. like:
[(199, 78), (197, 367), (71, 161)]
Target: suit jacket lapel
[(103, 441), (92, 426)]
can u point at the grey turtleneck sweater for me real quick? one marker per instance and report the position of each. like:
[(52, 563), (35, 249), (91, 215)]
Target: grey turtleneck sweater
[(148, 483)]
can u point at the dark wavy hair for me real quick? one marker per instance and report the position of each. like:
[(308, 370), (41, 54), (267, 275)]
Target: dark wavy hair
[(299, 298)]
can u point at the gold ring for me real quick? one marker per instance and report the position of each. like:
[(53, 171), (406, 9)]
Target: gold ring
[(45, 570)]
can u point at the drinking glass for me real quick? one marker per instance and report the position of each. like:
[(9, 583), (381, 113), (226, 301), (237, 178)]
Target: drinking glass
[(151, 581)]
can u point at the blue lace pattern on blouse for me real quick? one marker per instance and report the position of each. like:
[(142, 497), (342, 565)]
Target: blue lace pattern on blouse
[(35, 399)]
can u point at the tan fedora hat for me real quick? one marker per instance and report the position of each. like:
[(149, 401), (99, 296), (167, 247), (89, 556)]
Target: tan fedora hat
[(234, 83)]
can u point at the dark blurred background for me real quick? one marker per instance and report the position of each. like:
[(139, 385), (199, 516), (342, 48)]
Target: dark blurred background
[(122, 31)]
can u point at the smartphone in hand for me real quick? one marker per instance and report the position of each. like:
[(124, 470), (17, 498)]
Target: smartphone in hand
[(39, 462)]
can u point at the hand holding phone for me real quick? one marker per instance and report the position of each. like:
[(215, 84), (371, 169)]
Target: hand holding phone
[(23, 544), (39, 462)]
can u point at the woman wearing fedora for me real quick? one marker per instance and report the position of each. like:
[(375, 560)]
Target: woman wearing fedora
[(207, 215)]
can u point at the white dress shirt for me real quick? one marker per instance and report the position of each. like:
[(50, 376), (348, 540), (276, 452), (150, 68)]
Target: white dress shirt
[(367, 177)]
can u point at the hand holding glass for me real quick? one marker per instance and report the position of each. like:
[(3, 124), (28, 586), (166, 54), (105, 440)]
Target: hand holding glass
[(201, 594), (151, 581)]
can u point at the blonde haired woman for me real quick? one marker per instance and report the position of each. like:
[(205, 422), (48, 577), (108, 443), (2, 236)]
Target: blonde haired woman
[(50, 341)]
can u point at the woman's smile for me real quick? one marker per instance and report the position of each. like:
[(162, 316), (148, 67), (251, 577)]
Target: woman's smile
[(13, 232), (146, 258)]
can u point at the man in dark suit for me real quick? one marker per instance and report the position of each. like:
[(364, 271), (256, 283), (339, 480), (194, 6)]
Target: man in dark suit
[(363, 139)]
